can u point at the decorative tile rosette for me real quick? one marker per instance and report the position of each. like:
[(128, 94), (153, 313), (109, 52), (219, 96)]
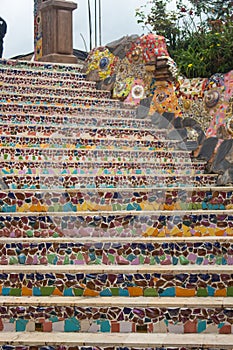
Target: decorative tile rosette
[(102, 61), (164, 99)]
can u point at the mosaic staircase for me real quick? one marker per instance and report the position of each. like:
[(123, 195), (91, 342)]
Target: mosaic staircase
[(112, 236)]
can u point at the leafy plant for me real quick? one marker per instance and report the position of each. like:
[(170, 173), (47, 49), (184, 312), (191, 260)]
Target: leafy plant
[(198, 33)]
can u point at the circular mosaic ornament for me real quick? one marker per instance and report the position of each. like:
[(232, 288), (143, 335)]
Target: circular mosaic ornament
[(104, 62), (211, 98), (187, 104), (138, 91)]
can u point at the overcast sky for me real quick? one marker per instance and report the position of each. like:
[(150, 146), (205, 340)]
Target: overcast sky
[(118, 19)]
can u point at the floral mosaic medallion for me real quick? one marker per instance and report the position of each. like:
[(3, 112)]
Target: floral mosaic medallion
[(102, 61), (164, 99)]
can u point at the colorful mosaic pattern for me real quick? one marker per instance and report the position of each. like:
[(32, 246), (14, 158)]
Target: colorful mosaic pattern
[(76, 119), (66, 111), (113, 224), (53, 179), (63, 201), (48, 99), (41, 69), (209, 101), (117, 253), (53, 90), (83, 184), (123, 284), (102, 61), (132, 77), (147, 48), (121, 319), (164, 99)]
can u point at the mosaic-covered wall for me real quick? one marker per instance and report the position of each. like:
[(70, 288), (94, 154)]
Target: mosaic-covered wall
[(135, 68)]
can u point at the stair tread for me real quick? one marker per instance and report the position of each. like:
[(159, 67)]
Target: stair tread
[(65, 127), (124, 212), (77, 98), (164, 302), (114, 119), (121, 108), (136, 240), (126, 339), (134, 269), (132, 189), (82, 89), (20, 63)]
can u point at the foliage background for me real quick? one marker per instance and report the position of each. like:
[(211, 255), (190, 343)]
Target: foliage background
[(198, 33)]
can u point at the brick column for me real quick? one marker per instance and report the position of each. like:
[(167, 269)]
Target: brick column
[(57, 31)]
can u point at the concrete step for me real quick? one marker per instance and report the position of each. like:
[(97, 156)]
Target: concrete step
[(184, 176), (81, 131), (117, 281), (27, 68), (137, 224), (106, 154), (9, 77), (129, 199), (27, 137), (100, 132), (61, 109), (147, 315), (80, 121), (117, 251), (31, 88), (55, 178), (98, 161), (45, 99), (115, 341)]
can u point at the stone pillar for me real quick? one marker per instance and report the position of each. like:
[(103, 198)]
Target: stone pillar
[(57, 29)]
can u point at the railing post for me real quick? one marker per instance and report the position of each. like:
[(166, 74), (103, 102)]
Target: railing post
[(57, 31)]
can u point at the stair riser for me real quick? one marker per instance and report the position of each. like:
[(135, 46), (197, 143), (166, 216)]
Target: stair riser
[(116, 319), (9, 78), (45, 131), (43, 74), (68, 110), (79, 141), (57, 91), (114, 253), (47, 99), (114, 225), (39, 67), (61, 181), (116, 284), (52, 162), (79, 122), (116, 201), (173, 174), (164, 158)]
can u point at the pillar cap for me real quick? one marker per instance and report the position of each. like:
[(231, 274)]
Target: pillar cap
[(61, 4)]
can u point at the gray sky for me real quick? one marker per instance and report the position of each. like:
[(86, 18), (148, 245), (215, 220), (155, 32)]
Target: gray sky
[(118, 19)]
